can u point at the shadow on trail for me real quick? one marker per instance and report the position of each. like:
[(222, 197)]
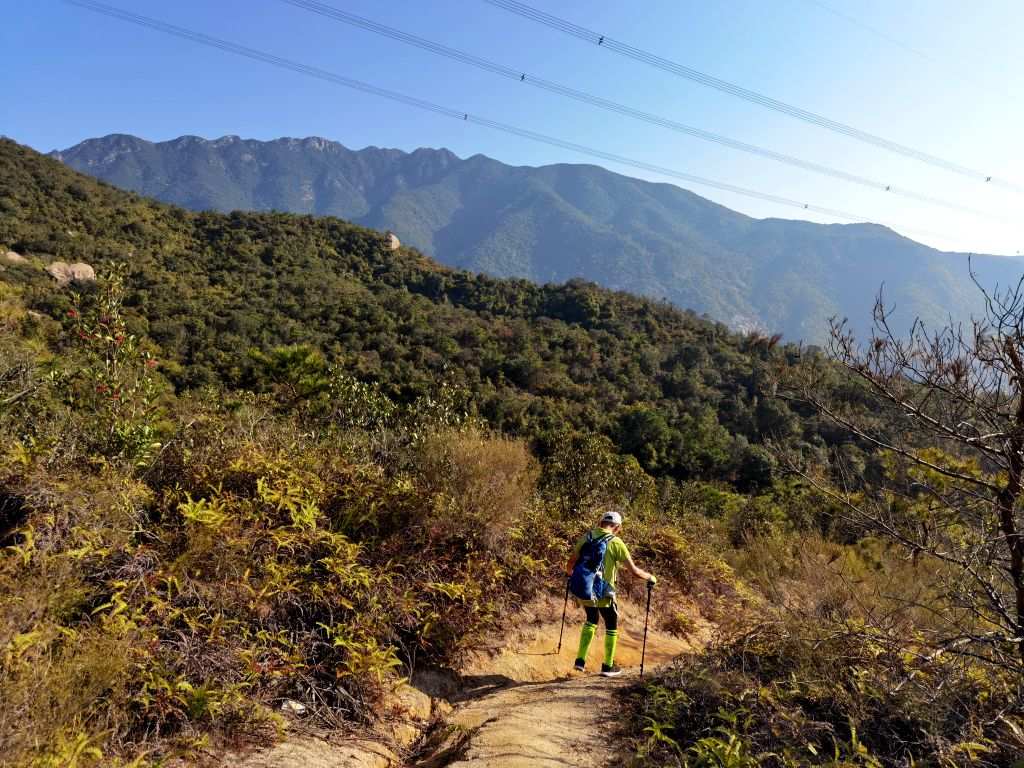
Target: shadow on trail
[(478, 686)]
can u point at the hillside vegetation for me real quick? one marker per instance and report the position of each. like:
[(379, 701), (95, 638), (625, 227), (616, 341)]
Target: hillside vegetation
[(200, 521), (265, 458), (678, 392), (559, 222)]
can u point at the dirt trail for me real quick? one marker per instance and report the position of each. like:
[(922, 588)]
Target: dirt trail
[(315, 752), (523, 707), (519, 706)]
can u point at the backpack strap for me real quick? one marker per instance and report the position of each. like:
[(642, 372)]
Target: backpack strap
[(601, 540)]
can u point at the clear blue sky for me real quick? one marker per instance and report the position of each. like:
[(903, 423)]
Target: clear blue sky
[(944, 76)]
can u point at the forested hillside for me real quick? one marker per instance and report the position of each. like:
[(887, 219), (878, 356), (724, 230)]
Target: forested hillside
[(560, 222), (257, 469), (679, 392)]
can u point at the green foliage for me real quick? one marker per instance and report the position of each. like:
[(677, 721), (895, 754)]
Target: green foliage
[(292, 374), (584, 472), (116, 382), (354, 404), (296, 307), (726, 748)]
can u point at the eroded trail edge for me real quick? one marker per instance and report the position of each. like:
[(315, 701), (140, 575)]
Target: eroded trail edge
[(515, 706)]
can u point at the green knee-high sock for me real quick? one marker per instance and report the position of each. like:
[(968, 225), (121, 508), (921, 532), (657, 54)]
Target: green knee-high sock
[(586, 635), (611, 639)]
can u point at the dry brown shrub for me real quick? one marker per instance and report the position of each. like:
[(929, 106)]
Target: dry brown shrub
[(809, 576), (484, 483)]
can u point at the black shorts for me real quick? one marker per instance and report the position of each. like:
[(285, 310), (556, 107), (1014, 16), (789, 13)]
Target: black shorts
[(609, 614)]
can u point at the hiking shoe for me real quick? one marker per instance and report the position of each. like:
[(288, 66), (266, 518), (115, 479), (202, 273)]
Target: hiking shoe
[(579, 665), (611, 671)]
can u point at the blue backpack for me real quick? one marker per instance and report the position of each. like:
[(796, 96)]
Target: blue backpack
[(587, 580)]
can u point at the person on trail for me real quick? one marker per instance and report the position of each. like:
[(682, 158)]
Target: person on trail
[(601, 550)]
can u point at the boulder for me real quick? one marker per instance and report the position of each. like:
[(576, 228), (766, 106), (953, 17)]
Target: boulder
[(65, 273), (413, 704), (392, 243), (15, 258)]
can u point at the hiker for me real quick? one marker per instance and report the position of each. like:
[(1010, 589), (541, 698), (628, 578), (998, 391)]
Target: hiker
[(591, 571)]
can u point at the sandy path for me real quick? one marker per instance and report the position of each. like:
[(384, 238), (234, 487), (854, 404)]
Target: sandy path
[(313, 752), (563, 723), (526, 708)]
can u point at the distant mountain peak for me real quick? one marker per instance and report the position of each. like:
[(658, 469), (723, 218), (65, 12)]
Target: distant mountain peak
[(188, 139), (556, 222), (104, 150)]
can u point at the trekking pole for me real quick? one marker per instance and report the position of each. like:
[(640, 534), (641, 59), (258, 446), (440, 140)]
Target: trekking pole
[(643, 650), (564, 606)]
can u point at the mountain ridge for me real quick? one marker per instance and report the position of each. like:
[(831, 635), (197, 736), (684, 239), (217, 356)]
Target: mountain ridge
[(555, 222)]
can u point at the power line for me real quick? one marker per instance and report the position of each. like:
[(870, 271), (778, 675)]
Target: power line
[(321, 74), (961, 73), (867, 27), (518, 75), (680, 70)]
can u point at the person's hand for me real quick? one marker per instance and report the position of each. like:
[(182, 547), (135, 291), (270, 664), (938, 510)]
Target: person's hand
[(652, 581)]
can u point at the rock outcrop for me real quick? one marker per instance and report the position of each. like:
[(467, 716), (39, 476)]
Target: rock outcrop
[(65, 273), (14, 258)]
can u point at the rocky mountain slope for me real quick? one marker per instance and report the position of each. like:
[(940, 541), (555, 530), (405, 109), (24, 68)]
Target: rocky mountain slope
[(557, 222)]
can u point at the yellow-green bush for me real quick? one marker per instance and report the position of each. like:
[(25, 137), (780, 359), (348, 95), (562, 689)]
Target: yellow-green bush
[(795, 694), (831, 666), (150, 604), (483, 484)]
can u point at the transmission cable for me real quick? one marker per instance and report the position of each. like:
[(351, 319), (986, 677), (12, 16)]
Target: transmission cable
[(961, 73), (322, 74), (873, 30), (680, 70), (521, 76)]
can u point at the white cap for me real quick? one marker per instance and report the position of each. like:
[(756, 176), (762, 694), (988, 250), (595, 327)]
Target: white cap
[(612, 517)]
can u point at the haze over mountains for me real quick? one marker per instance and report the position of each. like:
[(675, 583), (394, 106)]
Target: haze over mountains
[(553, 223)]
